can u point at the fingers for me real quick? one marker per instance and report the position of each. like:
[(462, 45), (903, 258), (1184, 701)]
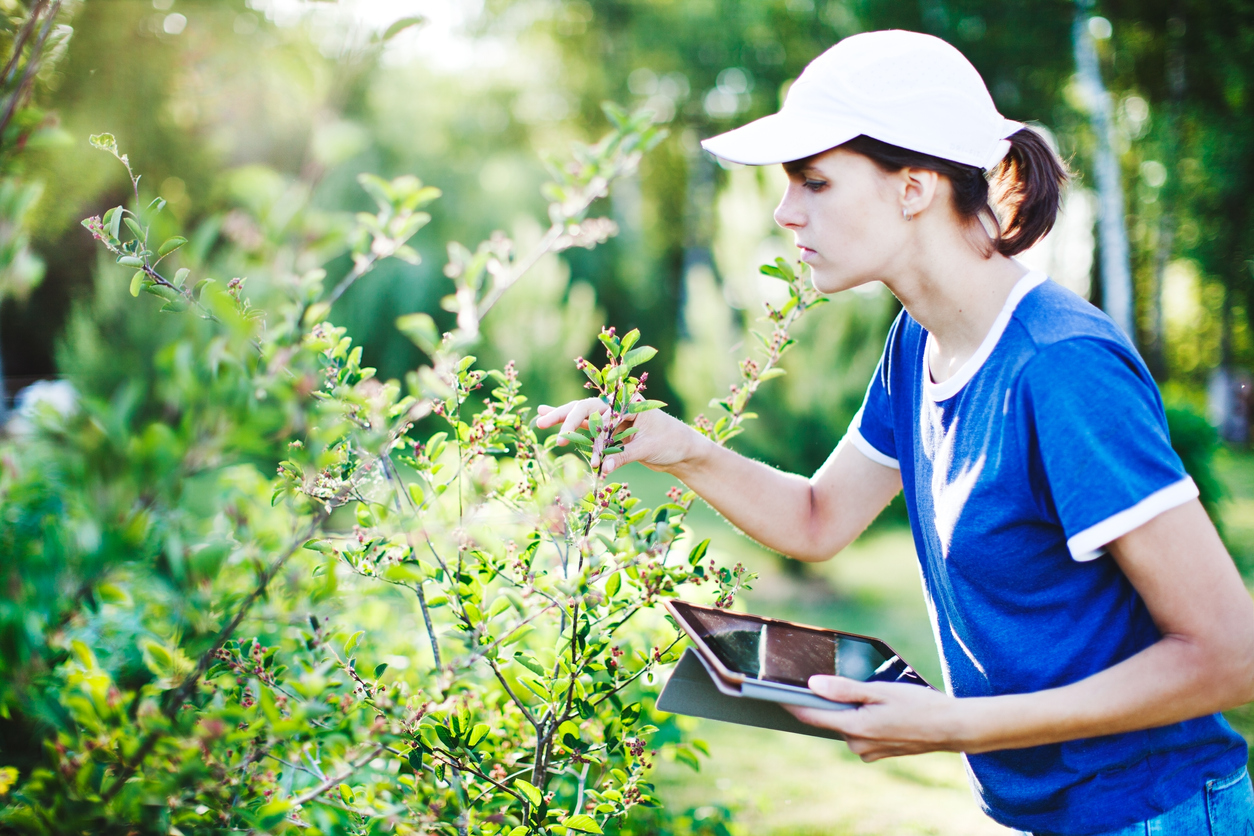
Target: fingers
[(550, 415), (572, 415), (823, 718), (630, 453), (842, 689), (579, 412)]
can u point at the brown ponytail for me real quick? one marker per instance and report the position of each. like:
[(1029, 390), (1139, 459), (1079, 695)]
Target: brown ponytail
[(1025, 187)]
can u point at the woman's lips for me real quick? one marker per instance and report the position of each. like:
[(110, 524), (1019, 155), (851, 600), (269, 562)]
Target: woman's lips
[(806, 253)]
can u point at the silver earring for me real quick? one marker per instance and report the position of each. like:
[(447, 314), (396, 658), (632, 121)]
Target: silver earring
[(906, 215)]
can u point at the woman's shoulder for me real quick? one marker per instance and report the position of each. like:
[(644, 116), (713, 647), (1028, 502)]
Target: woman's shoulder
[(1052, 314), (1076, 347)]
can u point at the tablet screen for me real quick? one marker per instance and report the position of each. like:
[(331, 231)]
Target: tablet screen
[(777, 651)]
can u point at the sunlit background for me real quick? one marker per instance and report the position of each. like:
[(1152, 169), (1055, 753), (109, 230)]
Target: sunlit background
[(244, 115)]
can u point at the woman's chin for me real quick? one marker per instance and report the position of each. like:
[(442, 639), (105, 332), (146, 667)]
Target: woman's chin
[(832, 281)]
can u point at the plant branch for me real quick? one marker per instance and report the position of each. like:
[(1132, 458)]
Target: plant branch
[(175, 698), (510, 691), (353, 766), (31, 63), (20, 40)]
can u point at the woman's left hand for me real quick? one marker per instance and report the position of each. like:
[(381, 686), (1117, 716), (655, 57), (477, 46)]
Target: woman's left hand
[(891, 719)]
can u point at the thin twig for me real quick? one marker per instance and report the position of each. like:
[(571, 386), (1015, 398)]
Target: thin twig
[(20, 41), (634, 676), (510, 691), (31, 63), (394, 478), (353, 766), (360, 268)]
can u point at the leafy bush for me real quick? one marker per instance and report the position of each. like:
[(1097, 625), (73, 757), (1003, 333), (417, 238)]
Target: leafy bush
[(1196, 442), (398, 631)]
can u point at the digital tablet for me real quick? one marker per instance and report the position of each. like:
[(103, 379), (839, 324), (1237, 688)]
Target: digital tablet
[(769, 659)]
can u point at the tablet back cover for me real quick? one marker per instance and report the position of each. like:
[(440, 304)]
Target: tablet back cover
[(692, 691)]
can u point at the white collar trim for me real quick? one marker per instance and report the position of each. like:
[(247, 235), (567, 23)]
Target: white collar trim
[(945, 391)]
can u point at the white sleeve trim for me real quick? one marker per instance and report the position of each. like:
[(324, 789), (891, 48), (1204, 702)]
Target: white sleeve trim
[(1090, 543), (864, 446)]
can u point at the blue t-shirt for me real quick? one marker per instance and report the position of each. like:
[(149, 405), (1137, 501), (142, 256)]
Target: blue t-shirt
[(1049, 443)]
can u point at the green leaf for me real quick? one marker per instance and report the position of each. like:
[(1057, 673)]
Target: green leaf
[(698, 552), (644, 406), (500, 605), (158, 659), (137, 282), (112, 594), (477, 734), (82, 654), (421, 330), (686, 756), (583, 823), (612, 585), (406, 571), (272, 815), (346, 793), (415, 758), (568, 733), (629, 339), (379, 669), (772, 373), (113, 220), (130, 261), (638, 356), (616, 374), (529, 791), (105, 142), (528, 662), (135, 228), (518, 831), (352, 641), (401, 25)]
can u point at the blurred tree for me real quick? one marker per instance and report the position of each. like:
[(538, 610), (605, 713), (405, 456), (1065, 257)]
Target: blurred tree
[(34, 36), (1184, 70)]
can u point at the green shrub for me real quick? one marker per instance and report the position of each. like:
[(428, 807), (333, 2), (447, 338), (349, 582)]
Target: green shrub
[(245, 592)]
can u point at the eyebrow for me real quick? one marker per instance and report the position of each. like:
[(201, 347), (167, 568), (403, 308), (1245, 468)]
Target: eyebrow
[(798, 166)]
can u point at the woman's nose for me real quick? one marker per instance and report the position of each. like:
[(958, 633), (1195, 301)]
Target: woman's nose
[(787, 213)]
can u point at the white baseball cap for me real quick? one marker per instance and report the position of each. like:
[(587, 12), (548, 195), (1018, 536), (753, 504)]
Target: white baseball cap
[(905, 88)]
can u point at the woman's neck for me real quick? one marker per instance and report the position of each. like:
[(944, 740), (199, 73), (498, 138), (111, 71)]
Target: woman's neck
[(956, 294)]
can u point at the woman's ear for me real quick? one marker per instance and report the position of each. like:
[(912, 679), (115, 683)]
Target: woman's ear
[(917, 189)]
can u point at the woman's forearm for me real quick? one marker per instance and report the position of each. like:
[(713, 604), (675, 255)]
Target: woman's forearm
[(1204, 662), (808, 519), (1170, 681)]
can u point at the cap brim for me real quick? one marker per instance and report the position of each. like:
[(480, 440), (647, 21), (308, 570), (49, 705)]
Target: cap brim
[(778, 138)]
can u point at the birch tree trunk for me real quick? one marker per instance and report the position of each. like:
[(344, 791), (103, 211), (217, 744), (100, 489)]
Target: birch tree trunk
[(1156, 351), (1116, 274)]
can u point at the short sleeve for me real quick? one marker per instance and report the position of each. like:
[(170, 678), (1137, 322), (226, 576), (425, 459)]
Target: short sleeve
[(871, 430), (1101, 442)]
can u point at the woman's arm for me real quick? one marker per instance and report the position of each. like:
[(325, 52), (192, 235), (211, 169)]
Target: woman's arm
[(809, 519), (1203, 663)]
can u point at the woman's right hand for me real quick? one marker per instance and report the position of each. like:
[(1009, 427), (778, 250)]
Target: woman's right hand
[(660, 442)]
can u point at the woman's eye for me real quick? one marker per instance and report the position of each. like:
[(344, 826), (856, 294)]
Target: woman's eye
[(815, 185)]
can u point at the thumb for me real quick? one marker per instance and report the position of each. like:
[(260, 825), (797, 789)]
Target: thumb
[(841, 689), (630, 453)]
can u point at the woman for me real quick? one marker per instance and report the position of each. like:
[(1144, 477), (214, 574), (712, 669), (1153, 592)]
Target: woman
[(1089, 619)]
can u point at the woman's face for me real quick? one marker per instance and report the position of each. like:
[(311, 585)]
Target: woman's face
[(847, 215)]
